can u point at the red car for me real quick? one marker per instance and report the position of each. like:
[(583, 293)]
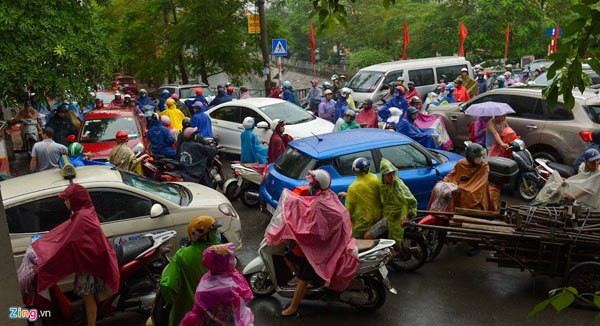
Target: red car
[(125, 83), (98, 130)]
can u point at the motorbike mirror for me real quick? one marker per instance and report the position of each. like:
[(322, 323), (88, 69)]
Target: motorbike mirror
[(262, 125), (156, 211)]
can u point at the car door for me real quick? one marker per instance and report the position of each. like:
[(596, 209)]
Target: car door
[(264, 134), (414, 169), (529, 118), (227, 127), (128, 220), (561, 133)]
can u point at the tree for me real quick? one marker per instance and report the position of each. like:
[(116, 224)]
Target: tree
[(52, 47), (367, 57)]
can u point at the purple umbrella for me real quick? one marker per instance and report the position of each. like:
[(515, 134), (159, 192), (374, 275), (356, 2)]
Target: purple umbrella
[(488, 109)]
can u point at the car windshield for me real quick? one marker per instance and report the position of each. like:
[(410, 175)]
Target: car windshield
[(125, 80), (170, 192), (191, 92), (542, 80), (292, 163), (365, 81), (290, 113), (593, 112), (105, 97), (102, 130)]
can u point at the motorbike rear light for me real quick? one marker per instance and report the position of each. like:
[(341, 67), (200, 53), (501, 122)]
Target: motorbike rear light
[(265, 171), (302, 190), (228, 210), (586, 136)]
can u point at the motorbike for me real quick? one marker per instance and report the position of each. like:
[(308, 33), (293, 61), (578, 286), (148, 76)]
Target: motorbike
[(141, 263), (215, 166), (161, 168), (529, 182), (246, 183), (29, 133), (268, 273)]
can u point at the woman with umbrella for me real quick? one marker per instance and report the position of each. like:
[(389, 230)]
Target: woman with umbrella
[(496, 125)]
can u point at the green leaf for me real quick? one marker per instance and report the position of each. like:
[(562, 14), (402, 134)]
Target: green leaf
[(562, 300), (574, 27), (594, 64), (597, 301), (582, 10), (539, 308), (589, 2)]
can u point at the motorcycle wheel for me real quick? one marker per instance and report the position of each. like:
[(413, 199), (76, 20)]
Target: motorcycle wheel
[(261, 284), (528, 189), (30, 143), (377, 295), (231, 191), (435, 242), (411, 254), (249, 202)]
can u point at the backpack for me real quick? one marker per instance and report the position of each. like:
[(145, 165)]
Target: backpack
[(472, 131)]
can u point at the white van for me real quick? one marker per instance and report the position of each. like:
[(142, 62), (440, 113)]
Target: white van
[(372, 82)]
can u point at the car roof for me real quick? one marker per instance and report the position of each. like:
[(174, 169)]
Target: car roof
[(184, 86), (524, 90), (50, 179), (383, 67), (108, 113), (254, 101), (335, 143)]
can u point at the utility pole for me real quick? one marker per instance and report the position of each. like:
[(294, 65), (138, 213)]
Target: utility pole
[(264, 45)]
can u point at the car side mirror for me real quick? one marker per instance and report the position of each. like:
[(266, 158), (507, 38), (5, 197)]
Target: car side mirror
[(262, 125), (157, 210), (434, 163)]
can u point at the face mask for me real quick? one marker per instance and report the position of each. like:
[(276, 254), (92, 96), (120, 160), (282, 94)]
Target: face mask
[(142, 95), (478, 160)]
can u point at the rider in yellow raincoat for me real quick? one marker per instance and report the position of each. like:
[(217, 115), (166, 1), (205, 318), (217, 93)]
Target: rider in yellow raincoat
[(363, 199), (174, 114), (397, 200)]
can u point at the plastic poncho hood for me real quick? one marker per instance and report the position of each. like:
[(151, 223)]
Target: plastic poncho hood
[(363, 203), (321, 227), (397, 201)]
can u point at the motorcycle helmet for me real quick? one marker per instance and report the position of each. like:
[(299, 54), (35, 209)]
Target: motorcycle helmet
[(474, 151), (350, 113), (411, 110), (449, 87), (197, 105), (186, 122), (165, 91), (143, 91), (174, 96), (319, 177), (314, 82), (170, 102), (361, 165), (415, 99), (248, 123), (154, 117), (500, 78), (220, 90), (75, 149), (277, 123), (122, 136), (517, 145), (287, 84), (327, 85), (334, 77), (165, 120), (202, 224), (199, 91), (188, 133), (243, 89), (228, 84), (229, 89), (345, 91), (399, 89)]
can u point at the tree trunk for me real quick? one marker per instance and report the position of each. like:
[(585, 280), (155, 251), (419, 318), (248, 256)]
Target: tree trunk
[(203, 70), (180, 61), (263, 43)]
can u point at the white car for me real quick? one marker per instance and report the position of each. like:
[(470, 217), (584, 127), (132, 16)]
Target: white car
[(127, 204), (227, 121)]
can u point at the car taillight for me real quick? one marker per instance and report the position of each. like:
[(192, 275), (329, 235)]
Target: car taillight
[(586, 136), (302, 190), (265, 171)]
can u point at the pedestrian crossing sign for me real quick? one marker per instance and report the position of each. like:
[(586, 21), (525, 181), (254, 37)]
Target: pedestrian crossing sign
[(279, 47)]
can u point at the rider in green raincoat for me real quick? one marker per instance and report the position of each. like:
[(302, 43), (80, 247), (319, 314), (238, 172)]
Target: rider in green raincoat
[(397, 200), (182, 275), (363, 199)]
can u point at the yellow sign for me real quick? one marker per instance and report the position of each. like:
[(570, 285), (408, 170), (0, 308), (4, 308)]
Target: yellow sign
[(253, 24)]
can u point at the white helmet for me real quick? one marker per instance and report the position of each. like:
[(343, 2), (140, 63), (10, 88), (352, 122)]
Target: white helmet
[(345, 91), (321, 177), (248, 123)]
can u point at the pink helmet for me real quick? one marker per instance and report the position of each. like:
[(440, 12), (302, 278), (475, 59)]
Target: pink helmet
[(175, 96), (189, 132), (165, 120)]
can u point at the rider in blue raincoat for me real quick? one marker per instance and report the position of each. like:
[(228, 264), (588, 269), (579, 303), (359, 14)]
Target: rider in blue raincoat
[(161, 103), (288, 93), (144, 102), (424, 136), (199, 98), (161, 140), (252, 150), (398, 101), (201, 120), (220, 98)]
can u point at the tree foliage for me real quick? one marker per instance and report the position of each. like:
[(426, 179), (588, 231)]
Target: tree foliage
[(367, 57), (55, 47)]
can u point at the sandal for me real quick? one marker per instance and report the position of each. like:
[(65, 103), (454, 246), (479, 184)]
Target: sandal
[(295, 315)]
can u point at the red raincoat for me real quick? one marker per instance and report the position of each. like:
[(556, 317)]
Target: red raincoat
[(76, 245), (277, 145), (321, 227), (368, 118)]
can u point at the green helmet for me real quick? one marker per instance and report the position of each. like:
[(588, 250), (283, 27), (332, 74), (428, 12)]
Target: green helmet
[(75, 149)]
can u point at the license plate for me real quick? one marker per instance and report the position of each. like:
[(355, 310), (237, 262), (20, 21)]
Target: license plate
[(126, 85), (383, 270), (270, 209)]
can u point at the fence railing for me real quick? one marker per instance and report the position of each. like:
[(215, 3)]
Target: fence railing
[(322, 69)]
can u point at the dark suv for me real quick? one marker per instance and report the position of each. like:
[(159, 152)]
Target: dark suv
[(551, 133)]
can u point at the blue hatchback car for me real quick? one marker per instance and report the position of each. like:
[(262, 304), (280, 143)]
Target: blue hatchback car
[(419, 168)]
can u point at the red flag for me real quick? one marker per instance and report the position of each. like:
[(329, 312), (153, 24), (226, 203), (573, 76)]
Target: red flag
[(463, 36), (554, 39), (506, 44), (312, 43), (405, 41)]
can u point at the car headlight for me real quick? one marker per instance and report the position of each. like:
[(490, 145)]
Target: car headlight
[(139, 148), (228, 210)]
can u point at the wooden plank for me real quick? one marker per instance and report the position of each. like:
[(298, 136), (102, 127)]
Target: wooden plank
[(476, 212), (473, 220), (503, 229)]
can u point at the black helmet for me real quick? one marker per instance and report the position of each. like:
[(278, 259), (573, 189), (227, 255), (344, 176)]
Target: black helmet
[(187, 122), (474, 151), (411, 110)]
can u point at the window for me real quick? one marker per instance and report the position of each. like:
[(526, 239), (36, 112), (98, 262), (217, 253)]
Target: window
[(291, 113), (293, 164), (171, 192), (421, 77), (129, 206), (246, 112), (228, 113), (344, 162), (451, 72), (365, 81), (392, 76), (102, 130), (559, 112), (524, 107), (593, 112), (404, 157), (502, 98), (37, 216)]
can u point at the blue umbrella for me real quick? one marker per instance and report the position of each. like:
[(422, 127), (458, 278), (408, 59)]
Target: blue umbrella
[(488, 109)]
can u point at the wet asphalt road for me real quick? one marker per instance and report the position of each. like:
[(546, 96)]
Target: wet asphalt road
[(454, 289)]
